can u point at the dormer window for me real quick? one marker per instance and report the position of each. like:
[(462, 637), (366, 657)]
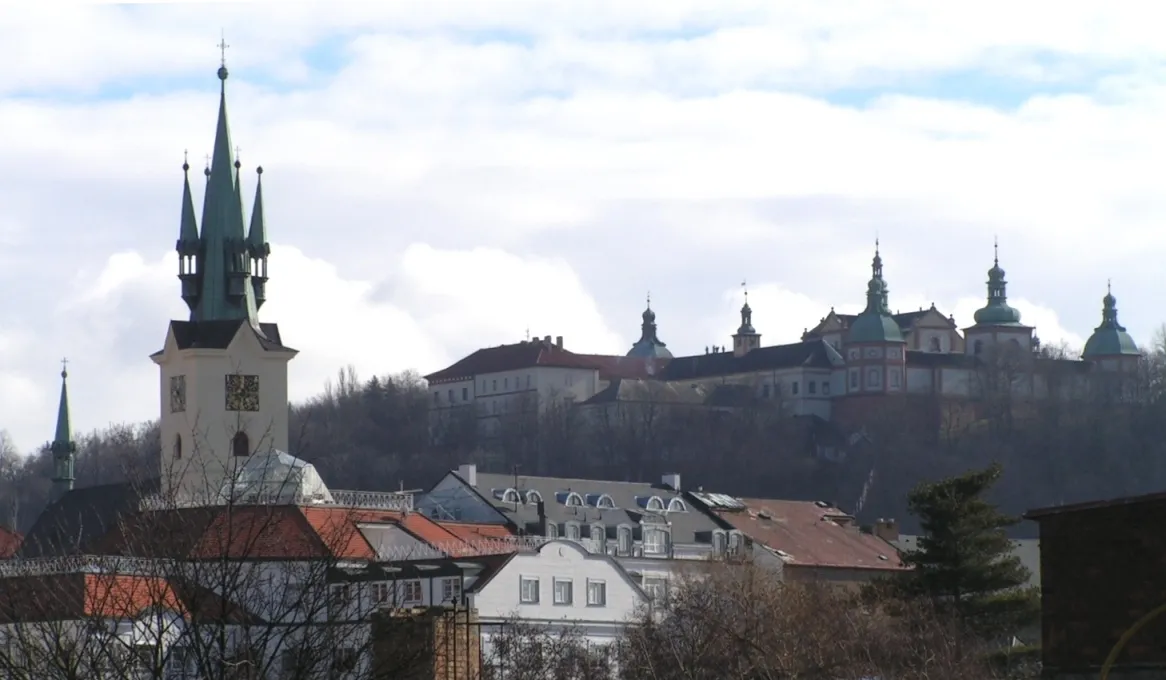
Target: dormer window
[(934, 345), (605, 502), (569, 499), (651, 503), (624, 534), (533, 497), (736, 544), (718, 543), (677, 505), (572, 531), (511, 496)]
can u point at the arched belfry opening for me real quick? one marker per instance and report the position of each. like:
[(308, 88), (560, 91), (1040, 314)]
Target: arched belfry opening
[(241, 444)]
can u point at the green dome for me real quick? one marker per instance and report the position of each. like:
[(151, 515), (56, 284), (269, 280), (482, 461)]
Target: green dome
[(874, 327), (997, 312), (1110, 338)]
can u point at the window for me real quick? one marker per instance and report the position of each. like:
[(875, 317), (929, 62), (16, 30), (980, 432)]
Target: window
[(451, 589), (451, 396), (873, 378), (718, 543), (605, 502), (564, 591), (552, 530), (528, 382), (506, 383), (599, 538), (437, 397), (533, 497), (241, 445), (483, 386), (978, 347), (465, 394), (812, 386), (528, 590), (656, 588), (794, 387), (411, 591), (381, 592), (894, 378), (677, 505), (625, 540), (735, 544), (654, 503), (573, 500), (596, 593), (344, 660), (854, 380), (934, 346), (825, 387), (177, 447), (655, 541), (511, 496), (493, 385), (572, 531), (341, 596), (179, 662), (765, 391)]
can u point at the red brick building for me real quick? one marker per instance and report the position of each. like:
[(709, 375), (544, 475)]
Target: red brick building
[(1103, 569)]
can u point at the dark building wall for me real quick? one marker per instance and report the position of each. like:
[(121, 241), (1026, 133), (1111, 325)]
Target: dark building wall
[(1102, 569)]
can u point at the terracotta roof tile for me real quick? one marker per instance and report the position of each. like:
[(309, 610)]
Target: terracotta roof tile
[(511, 358), (806, 532)]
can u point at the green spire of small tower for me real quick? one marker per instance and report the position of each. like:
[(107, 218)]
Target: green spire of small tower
[(216, 263), (63, 447), (257, 245), (875, 323), (997, 312)]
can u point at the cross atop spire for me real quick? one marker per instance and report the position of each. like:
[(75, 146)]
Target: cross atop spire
[(62, 446), (64, 368), (223, 49), (996, 251)]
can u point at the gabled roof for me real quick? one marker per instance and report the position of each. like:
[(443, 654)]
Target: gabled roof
[(810, 353), (808, 533), (76, 522), (512, 358), (68, 596)]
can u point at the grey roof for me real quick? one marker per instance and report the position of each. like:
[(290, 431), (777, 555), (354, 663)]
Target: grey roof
[(629, 499), (1027, 549), (219, 334), (811, 353), (82, 517), (633, 390), (874, 326)]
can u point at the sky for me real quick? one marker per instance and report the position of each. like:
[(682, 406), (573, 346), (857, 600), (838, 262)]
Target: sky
[(440, 177)]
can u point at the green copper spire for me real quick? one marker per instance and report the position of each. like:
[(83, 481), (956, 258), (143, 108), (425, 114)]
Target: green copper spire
[(257, 245), (997, 312), (1110, 338), (63, 447), (875, 323), (216, 276)]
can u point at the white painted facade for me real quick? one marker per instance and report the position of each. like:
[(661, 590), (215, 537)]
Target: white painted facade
[(198, 440), (561, 585)]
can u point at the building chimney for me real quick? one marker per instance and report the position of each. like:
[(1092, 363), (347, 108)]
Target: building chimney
[(886, 529), (671, 480), (559, 341), (541, 510), (468, 472)]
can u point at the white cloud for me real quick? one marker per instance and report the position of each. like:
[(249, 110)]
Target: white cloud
[(450, 187)]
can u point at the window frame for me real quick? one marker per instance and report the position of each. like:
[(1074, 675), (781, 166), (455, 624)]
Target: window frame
[(596, 586), (523, 582), (569, 585)]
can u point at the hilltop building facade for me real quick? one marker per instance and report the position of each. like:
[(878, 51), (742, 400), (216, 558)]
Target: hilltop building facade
[(841, 366)]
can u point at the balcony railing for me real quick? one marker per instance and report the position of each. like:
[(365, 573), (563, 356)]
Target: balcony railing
[(399, 501)]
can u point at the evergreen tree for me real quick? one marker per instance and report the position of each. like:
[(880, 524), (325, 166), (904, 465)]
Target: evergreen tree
[(964, 561)]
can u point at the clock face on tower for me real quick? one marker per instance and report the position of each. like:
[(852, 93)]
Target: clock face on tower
[(242, 392), (177, 393)]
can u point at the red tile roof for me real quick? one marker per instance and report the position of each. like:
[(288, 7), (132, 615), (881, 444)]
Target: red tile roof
[(811, 535), (512, 358), (62, 597), (9, 542)]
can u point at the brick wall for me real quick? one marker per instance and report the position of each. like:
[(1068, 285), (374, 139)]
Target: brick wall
[(427, 644), (1101, 570)]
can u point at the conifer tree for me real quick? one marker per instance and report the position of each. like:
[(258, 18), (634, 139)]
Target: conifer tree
[(964, 561)]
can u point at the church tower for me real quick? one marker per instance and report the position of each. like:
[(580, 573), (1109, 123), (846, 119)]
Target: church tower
[(649, 346), (63, 447), (997, 323), (874, 343), (746, 339), (1111, 347), (223, 373)]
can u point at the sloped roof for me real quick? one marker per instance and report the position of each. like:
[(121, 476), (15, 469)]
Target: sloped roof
[(807, 533), (64, 596), (9, 542), (810, 353), (512, 358), (626, 496), (79, 520), (219, 334)]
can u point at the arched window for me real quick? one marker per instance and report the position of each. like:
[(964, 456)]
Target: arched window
[(511, 496), (718, 543), (241, 445), (625, 540), (654, 503), (533, 497), (677, 505), (978, 347), (735, 544), (934, 345), (599, 538), (552, 530), (605, 502), (572, 531), (177, 447), (872, 377), (573, 500)]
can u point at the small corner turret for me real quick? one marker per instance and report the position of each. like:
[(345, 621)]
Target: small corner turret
[(1110, 344), (997, 322), (875, 346), (649, 346)]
